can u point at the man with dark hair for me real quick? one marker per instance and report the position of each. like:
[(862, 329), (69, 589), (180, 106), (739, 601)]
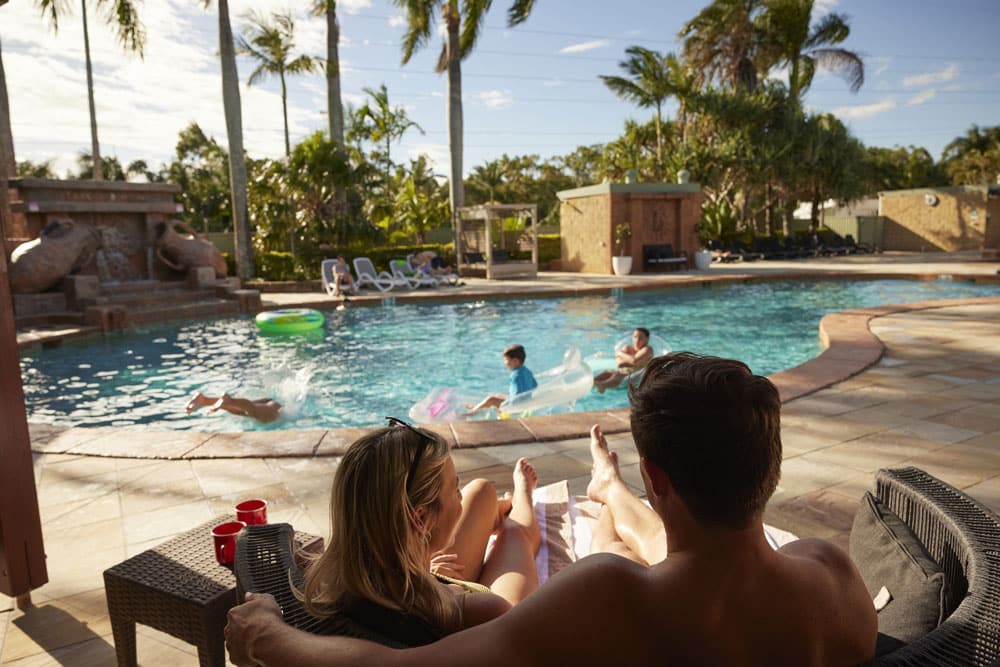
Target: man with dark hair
[(707, 430)]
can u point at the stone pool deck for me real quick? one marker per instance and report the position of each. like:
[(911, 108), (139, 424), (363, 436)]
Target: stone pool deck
[(930, 399)]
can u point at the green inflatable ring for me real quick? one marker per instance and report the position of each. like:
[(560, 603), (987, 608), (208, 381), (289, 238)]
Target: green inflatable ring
[(289, 320)]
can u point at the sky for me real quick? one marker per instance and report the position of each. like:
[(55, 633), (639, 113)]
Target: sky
[(932, 71)]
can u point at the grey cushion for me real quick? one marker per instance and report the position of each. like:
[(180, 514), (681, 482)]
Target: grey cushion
[(888, 554)]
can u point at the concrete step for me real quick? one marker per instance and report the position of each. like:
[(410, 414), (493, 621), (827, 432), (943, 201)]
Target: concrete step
[(194, 310), (152, 297), (50, 318)]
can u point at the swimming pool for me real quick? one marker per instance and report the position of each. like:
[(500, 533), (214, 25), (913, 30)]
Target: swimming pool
[(366, 363)]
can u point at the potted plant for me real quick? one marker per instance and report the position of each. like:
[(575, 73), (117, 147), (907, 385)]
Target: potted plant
[(620, 262)]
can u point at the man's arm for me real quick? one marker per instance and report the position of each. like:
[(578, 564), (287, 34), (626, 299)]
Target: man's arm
[(589, 613)]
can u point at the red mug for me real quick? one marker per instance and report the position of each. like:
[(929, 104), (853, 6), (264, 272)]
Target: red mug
[(252, 512), (224, 536)]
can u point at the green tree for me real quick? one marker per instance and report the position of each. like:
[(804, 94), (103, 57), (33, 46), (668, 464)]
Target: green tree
[(381, 123), (722, 43), (973, 158), (29, 169), (420, 203), (487, 179), (201, 169), (234, 131), (462, 21), (652, 79), (270, 44), (790, 39)]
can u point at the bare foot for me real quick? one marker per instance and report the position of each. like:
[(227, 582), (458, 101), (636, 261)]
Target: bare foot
[(219, 404), (198, 401), (504, 506), (525, 480), (604, 473)]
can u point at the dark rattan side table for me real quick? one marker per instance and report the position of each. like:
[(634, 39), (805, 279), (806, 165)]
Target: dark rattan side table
[(177, 588)]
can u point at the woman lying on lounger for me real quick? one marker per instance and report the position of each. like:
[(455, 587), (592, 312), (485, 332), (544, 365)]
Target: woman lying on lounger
[(407, 545)]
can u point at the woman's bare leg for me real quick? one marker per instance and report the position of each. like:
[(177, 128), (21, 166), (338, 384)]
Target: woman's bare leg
[(199, 400), (509, 570), (639, 526), (606, 540), (482, 515)]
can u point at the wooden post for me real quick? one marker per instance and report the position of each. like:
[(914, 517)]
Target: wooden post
[(22, 554)]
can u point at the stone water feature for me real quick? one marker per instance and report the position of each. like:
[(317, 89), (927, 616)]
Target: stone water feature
[(144, 252)]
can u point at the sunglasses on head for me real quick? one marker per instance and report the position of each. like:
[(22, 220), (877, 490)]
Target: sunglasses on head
[(425, 438)]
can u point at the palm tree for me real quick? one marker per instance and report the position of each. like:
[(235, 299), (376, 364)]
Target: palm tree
[(123, 15), (462, 29), (722, 43), (270, 45), (234, 132), (790, 40), (488, 178), (381, 122), (335, 107), (652, 80)]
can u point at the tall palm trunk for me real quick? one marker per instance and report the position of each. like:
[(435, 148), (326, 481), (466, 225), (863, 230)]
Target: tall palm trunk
[(8, 165), (456, 188), (95, 149), (234, 132), (334, 105), (284, 112), (659, 140)]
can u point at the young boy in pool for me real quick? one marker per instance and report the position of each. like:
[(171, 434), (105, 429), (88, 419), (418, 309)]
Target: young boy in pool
[(264, 410), (521, 379)]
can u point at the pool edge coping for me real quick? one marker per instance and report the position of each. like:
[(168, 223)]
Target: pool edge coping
[(850, 348)]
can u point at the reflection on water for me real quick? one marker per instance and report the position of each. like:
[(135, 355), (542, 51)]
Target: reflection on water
[(365, 363)]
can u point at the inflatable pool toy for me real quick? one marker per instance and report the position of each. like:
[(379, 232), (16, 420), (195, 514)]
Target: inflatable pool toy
[(289, 320), (447, 404), (600, 362), (557, 387)]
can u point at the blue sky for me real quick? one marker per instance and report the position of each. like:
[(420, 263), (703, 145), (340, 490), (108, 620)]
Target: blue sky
[(932, 71)]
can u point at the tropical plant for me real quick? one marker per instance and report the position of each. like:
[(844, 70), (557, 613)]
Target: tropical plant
[(462, 25), (973, 158), (201, 169), (29, 169), (381, 123), (234, 131), (270, 45), (487, 179), (789, 39), (721, 43), (652, 78)]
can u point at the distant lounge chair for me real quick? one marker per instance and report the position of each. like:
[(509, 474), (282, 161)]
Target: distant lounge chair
[(367, 275), (328, 269), (446, 278), (401, 271)]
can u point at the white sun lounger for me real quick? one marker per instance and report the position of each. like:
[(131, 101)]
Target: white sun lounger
[(401, 271), (328, 269), (446, 278), (367, 275)]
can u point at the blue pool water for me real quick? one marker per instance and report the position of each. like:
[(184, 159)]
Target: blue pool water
[(369, 362)]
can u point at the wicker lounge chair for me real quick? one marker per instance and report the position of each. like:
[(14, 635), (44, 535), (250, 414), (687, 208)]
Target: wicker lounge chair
[(963, 537)]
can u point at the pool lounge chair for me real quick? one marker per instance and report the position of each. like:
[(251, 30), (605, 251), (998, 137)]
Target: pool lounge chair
[(328, 269), (446, 278), (367, 275), (401, 271)]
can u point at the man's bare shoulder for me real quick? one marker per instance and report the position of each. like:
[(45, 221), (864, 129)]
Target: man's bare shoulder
[(822, 552)]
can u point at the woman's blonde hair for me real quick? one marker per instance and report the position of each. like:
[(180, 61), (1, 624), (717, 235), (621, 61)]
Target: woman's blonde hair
[(377, 550)]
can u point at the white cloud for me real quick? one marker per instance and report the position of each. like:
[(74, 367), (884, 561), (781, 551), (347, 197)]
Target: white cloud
[(949, 73), (397, 21), (865, 110), (877, 64), (496, 99), (580, 47), (921, 97), (437, 155), (821, 7), (353, 6)]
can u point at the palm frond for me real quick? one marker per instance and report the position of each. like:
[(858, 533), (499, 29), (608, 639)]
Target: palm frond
[(53, 9), (419, 19), (519, 12), (124, 15), (473, 16), (832, 29), (846, 62)]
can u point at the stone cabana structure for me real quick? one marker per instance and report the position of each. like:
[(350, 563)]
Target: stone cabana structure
[(942, 219), (479, 254), (658, 213)]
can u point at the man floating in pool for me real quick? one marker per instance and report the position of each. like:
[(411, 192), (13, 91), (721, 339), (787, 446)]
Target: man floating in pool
[(521, 379), (264, 410), (630, 359)]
